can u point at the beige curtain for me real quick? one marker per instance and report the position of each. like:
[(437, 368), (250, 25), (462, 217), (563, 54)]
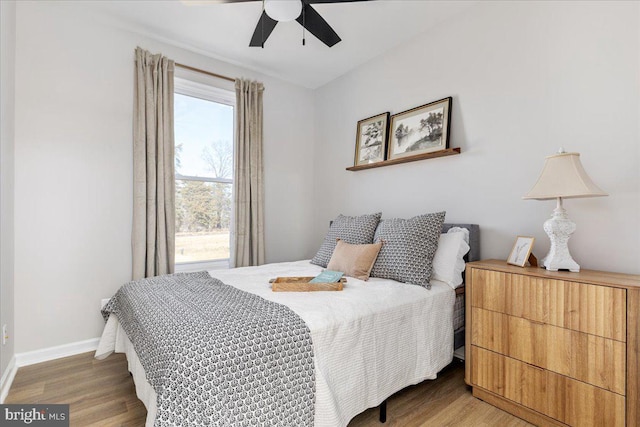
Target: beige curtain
[(248, 229), (153, 237)]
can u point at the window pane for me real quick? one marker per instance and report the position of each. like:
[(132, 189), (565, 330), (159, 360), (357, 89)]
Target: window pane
[(204, 137), (203, 217)]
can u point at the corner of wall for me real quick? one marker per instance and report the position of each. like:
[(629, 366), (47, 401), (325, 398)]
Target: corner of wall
[(7, 108)]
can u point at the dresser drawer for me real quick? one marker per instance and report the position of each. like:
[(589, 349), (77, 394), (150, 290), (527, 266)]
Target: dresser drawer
[(513, 294), (597, 310), (592, 309), (595, 360), (570, 401)]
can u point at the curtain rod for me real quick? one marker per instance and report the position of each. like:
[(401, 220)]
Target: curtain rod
[(197, 70)]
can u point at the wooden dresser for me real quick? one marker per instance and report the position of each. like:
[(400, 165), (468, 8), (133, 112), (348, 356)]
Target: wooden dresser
[(554, 348)]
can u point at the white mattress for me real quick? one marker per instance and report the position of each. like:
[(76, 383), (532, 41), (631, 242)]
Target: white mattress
[(370, 340)]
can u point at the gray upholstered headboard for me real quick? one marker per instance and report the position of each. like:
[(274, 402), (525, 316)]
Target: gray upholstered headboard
[(474, 239)]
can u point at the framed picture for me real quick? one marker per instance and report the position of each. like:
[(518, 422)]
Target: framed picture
[(423, 129), (371, 139), (521, 250)]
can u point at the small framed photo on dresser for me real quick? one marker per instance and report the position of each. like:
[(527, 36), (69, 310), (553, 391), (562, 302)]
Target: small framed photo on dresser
[(521, 251)]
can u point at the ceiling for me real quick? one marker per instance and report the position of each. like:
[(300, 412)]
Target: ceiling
[(223, 31)]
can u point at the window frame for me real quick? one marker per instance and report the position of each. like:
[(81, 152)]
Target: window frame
[(206, 92)]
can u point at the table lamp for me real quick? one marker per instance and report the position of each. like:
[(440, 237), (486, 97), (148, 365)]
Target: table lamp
[(562, 177)]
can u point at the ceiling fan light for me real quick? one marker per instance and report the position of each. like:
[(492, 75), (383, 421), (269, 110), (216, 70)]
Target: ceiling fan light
[(283, 10)]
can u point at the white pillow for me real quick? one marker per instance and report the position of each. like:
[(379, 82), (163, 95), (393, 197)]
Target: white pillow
[(448, 262), (460, 230)]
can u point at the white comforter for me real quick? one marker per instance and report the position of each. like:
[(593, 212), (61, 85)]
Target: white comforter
[(370, 340)]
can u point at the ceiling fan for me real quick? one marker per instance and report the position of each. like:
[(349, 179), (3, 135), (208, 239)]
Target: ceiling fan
[(275, 11)]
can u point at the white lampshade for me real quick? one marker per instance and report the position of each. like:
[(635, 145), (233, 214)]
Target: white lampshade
[(283, 10), (563, 176)]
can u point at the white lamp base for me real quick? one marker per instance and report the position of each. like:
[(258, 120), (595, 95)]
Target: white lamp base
[(559, 228)]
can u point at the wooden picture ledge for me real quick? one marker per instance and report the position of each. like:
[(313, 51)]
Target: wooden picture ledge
[(433, 155)]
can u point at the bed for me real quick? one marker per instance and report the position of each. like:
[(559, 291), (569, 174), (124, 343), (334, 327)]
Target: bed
[(369, 341)]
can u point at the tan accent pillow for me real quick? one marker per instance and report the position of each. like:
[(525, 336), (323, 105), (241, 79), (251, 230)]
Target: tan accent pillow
[(354, 260)]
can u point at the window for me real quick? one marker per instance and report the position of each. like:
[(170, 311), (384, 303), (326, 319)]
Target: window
[(203, 126)]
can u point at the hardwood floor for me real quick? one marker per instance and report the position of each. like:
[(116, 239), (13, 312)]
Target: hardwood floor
[(101, 393)]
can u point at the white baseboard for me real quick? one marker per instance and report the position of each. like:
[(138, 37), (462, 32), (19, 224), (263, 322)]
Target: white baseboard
[(7, 379), (51, 353)]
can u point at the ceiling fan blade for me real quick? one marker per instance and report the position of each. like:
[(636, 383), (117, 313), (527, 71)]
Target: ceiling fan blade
[(263, 30), (206, 2), (312, 21), (328, 1)]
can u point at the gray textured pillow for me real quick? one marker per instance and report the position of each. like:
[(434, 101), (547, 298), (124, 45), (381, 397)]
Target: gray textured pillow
[(357, 230), (408, 249)]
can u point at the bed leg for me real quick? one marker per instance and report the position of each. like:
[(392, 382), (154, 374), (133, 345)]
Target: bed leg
[(383, 411)]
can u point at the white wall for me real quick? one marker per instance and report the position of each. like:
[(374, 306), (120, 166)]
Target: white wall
[(73, 162), (7, 80), (526, 78)]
